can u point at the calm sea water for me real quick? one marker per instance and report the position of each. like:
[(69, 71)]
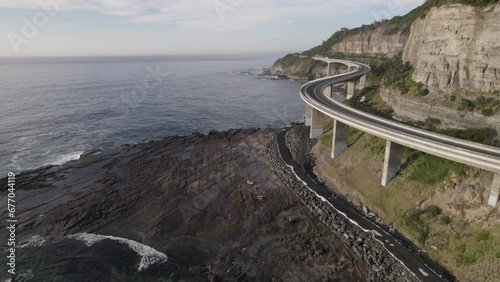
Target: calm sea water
[(53, 109)]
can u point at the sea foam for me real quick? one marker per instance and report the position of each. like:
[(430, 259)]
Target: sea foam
[(66, 158), (149, 256), (33, 241)]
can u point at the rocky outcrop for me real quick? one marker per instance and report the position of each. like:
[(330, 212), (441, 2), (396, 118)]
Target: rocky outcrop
[(410, 109), (297, 67), (375, 42), (303, 68), (456, 47)]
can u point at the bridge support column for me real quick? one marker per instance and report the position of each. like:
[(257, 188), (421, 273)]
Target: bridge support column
[(495, 191), (362, 82), (316, 123), (308, 115), (339, 138), (392, 162), (350, 89), (328, 70)]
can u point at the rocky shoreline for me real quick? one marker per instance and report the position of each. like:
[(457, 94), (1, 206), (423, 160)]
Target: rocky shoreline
[(226, 193), (211, 204)]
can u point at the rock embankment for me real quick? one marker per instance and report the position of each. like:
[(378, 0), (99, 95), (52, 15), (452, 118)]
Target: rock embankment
[(383, 266)]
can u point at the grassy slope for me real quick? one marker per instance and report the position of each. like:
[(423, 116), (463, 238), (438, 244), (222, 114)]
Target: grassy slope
[(433, 202)]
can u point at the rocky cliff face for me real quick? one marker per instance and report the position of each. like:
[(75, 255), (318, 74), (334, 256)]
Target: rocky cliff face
[(408, 109), (299, 67), (456, 46), (376, 42)]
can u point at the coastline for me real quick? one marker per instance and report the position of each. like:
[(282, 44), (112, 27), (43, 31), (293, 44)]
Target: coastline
[(180, 196), (128, 163)]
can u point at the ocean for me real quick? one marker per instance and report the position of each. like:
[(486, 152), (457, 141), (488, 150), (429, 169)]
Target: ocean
[(54, 109)]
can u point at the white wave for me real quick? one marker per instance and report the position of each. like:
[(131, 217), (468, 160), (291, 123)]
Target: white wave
[(34, 241), (66, 158), (149, 255)]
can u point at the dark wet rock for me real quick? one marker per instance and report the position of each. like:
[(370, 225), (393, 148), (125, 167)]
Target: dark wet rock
[(187, 197)]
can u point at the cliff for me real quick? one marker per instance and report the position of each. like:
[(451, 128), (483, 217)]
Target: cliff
[(451, 47), (379, 41), (423, 109), (382, 38), (456, 47), (295, 66)]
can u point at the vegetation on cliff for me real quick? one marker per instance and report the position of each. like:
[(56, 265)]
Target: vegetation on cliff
[(300, 67), (466, 2), (398, 24), (434, 202)]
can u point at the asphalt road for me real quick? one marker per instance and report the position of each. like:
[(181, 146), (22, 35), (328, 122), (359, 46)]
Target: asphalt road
[(409, 259), (314, 91)]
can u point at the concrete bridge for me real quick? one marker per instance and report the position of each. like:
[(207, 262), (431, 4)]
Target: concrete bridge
[(320, 105)]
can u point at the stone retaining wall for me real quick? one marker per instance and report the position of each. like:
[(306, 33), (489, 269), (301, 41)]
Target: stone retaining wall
[(383, 266)]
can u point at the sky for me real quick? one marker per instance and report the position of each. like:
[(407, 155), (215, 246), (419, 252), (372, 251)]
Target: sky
[(180, 27)]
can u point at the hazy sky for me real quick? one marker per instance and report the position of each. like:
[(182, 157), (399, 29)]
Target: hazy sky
[(155, 27)]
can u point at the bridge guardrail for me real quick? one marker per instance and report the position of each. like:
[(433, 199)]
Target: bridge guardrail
[(494, 161)]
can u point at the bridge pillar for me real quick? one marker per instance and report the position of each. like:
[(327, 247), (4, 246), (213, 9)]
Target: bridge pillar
[(495, 191), (339, 138), (328, 70), (362, 82), (308, 115), (392, 162), (351, 85), (316, 123)]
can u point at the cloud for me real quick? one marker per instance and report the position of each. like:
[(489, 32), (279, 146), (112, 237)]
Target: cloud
[(219, 15)]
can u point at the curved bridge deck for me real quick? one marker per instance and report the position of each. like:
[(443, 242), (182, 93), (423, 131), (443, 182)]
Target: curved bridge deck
[(320, 105)]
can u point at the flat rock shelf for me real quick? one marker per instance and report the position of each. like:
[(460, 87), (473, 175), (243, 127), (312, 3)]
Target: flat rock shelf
[(194, 208)]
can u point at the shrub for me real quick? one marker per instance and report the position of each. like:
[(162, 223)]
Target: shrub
[(453, 98), (487, 112), (483, 235), (423, 92), (445, 220), (465, 259), (480, 135), (413, 221), (433, 211), (468, 105), (434, 121)]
